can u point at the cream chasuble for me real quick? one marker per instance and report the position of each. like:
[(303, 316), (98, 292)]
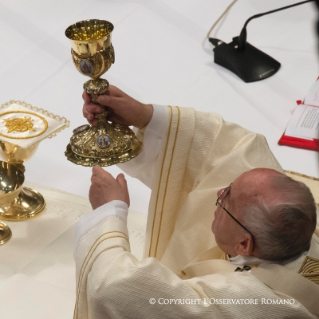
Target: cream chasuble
[(178, 277)]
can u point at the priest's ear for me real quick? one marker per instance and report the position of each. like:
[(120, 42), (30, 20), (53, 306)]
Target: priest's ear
[(245, 245)]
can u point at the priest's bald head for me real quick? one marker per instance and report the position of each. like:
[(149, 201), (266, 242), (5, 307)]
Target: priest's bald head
[(265, 214)]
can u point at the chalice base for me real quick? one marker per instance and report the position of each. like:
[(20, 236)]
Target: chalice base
[(28, 204), (105, 145), (5, 233)]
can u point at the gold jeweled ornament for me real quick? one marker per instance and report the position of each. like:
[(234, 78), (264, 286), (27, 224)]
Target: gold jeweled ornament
[(107, 143)]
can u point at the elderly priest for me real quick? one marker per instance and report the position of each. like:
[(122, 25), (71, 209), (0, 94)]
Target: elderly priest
[(254, 256)]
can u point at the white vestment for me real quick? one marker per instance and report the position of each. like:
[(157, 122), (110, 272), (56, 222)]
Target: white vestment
[(178, 277)]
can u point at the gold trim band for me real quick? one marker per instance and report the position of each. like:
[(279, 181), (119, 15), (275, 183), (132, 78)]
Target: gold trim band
[(168, 175)]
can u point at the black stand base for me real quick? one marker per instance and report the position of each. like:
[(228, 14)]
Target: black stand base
[(249, 64)]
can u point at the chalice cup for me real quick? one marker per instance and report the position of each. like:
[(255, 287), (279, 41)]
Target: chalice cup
[(107, 143), (17, 203)]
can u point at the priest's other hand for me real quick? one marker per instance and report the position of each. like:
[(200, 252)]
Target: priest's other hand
[(105, 188), (123, 109)]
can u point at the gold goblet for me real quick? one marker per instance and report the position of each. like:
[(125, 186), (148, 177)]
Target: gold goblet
[(17, 202), (11, 180), (107, 143)]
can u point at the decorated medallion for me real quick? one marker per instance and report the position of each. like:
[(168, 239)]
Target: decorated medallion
[(86, 67), (103, 141)]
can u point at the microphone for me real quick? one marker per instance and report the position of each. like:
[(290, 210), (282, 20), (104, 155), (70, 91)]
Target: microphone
[(246, 61)]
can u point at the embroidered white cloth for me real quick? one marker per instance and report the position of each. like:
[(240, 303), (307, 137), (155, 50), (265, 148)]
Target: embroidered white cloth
[(25, 125)]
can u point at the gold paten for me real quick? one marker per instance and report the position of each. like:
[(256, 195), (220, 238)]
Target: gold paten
[(107, 143), (22, 125)]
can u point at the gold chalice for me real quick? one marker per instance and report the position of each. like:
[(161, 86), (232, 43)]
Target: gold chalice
[(17, 202), (11, 197), (107, 143)]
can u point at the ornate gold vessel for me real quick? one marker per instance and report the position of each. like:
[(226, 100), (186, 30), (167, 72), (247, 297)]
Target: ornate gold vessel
[(22, 128), (107, 143), (17, 202)]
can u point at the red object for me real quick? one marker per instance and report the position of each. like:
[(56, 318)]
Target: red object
[(299, 142)]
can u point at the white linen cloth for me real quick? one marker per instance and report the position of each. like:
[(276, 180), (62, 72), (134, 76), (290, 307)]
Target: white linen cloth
[(41, 131)]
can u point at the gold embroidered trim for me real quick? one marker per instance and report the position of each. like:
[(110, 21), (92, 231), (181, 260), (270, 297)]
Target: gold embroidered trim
[(87, 258), (26, 112), (168, 175), (160, 180), (310, 269)]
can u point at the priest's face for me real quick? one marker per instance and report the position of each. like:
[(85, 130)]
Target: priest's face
[(225, 225), (228, 225)]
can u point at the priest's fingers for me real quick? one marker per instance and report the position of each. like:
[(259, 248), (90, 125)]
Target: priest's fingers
[(105, 188), (125, 109), (89, 111), (86, 97), (97, 171), (123, 184)]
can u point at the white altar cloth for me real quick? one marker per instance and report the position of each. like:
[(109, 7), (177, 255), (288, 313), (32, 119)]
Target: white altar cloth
[(37, 270)]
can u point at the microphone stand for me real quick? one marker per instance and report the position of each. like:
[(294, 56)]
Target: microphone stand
[(240, 57)]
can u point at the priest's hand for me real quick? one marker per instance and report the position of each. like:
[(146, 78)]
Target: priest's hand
[(105, 188), (122, 108)]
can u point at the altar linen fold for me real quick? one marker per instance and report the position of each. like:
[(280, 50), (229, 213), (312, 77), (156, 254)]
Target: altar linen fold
[(199, 154)]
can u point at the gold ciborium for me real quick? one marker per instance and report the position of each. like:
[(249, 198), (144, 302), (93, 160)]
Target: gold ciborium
[(107, 143), (17, 203)]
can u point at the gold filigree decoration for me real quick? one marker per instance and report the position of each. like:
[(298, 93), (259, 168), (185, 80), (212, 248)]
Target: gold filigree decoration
[(310, 269), (19, 125), (63, 120), (24, 137)]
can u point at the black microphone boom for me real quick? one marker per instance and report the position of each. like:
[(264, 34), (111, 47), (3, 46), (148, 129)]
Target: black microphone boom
[(240, 57)]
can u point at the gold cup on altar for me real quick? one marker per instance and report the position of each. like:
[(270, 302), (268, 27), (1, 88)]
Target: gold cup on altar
[(107, 143), (22, 128), (16, 202)]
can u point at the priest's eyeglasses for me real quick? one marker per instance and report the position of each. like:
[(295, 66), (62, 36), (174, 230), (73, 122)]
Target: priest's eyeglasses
[(222, 196)]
